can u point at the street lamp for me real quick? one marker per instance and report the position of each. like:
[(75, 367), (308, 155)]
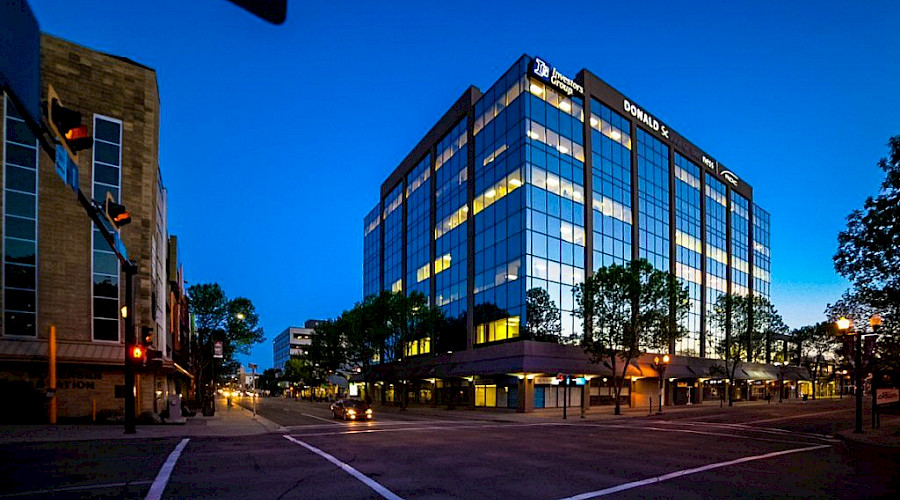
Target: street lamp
[(845, 325), (874, 323), (661, 368)]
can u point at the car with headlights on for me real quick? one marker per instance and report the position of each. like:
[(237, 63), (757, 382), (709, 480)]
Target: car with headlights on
[(351, 409)]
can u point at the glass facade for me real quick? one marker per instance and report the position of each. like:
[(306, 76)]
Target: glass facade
[(20, 191), (762, 261), (372, 252), (527, 205), (418, 229), (653, 200), (451, 214), (499, 218), (740, 244), (393, 240), (688, 249), (611, 170), (716, 258), (555, 240), (107, 173)]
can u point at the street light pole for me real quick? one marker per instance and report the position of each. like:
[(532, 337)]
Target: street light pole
[(845, 325), (661, 368)]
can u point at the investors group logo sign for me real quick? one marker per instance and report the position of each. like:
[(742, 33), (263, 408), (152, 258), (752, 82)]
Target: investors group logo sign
[(541, 68), (543, 71)]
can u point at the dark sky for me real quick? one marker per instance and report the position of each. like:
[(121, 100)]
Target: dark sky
[(275, 139)]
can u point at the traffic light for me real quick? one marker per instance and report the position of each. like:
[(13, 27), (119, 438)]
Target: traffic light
[(137, 354), (147, 336), (115, 213), (65, 123)]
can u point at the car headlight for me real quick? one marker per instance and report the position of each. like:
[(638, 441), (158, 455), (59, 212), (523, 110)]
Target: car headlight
[(369, 411), (351, 412)]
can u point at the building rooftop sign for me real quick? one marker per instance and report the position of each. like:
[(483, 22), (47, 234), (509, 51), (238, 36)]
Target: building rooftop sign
[(543, 71)]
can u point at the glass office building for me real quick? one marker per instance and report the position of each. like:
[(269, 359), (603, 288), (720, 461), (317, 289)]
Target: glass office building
[(543, 178)]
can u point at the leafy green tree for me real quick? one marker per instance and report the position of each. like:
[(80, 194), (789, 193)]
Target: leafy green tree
[(626, 308), (269, 380), (328, 349), (542, 317), (748, 322), (869, 249), (815, 344), (859, 306), (233, 322), (299, 371)]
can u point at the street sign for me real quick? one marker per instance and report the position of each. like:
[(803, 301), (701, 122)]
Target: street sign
[(217, 349), (885, 396)]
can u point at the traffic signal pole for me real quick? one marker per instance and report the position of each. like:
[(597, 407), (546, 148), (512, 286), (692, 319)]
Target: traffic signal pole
[(129, 341)]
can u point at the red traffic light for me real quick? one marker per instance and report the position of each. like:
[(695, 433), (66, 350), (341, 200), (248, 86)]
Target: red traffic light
[(66, 124), (115, 213)]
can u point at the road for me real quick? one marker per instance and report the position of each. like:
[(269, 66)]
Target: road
[(743, 452)]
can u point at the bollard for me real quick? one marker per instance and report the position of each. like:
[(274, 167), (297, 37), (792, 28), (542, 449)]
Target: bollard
[(651, 404)]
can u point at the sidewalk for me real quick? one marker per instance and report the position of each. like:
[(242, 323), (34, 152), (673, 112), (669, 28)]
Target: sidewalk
[(227, 422)]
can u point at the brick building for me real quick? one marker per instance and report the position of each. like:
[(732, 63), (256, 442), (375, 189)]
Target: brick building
[(59, 271)]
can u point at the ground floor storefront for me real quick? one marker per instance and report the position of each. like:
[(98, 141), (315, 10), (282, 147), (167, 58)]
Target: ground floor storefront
[(88, 392), (530, 376)]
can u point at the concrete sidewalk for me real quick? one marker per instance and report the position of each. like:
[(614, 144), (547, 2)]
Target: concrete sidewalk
[(227, 422)]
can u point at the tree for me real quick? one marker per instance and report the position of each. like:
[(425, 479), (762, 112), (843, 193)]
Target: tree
[(328, 349), (542, 317), (233, 322), (748, 322), (859, 305), (298, 371), (269, 380), (626, 308), (815, 343), (869, 249)]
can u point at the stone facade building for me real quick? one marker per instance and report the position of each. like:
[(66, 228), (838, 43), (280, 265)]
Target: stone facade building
[(58, 270)]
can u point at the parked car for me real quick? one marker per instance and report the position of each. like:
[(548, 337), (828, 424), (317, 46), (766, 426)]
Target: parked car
[(351, 409)]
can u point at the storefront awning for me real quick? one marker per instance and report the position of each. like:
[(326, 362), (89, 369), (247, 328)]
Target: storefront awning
[(756, 374), (680, 371)]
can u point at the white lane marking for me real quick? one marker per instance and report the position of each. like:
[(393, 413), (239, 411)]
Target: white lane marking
[(802, 415), (84, 487), (162, 478), (720, 434), (686, 472), (320, 418), (420, 428), (378, 488), (365, 424), (769, 430)]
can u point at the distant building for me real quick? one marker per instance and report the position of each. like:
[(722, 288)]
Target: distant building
[(293, 342)]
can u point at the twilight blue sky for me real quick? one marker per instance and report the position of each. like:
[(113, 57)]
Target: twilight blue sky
[(275, 139)]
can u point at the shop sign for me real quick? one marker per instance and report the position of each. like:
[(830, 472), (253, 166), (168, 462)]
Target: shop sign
[(543, 71), (545, 380), (885, 396)]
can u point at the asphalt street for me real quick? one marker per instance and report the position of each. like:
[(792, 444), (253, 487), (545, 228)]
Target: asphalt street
[(772, 451)]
